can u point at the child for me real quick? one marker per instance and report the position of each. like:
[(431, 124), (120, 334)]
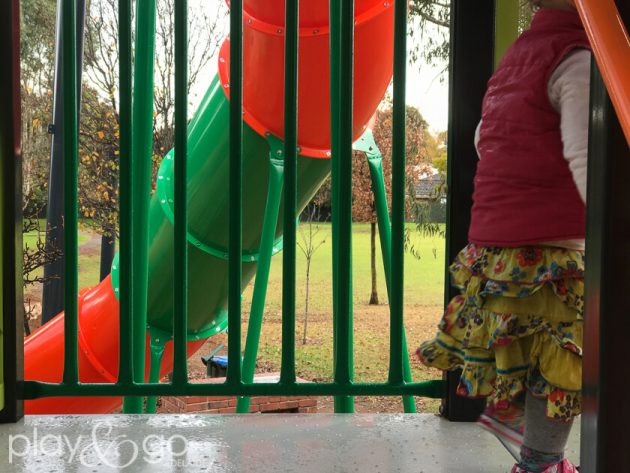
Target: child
[(516, 328)]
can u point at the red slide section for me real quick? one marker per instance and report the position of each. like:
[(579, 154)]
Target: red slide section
[(98, 353)]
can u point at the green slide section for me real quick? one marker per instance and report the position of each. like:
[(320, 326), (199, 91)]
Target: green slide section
[(208, 236)]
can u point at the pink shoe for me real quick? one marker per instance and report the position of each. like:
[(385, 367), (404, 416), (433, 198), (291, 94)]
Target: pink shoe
[(563, 467), (508, 425)]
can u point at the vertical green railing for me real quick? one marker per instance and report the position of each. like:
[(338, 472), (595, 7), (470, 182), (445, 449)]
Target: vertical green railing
[(396, 302), (142, 153), (71, 183), (180, 366), (136, 126), (287, 373), (342, 82), (235, 249), (125, 366)]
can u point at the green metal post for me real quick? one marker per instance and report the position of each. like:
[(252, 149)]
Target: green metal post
[(396, 299), (507, 17), (292, 20), (375, 163), (71, 163), (342, 47), (180, 250), (235, 247), (125, 366), (142, 138), (156, 349), (342, 404), (272, 209)]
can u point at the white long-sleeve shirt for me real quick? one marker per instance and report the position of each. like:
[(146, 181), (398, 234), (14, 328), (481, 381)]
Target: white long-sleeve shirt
[(569, 94)]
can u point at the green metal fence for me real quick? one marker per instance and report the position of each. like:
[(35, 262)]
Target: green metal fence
[(135, 153)]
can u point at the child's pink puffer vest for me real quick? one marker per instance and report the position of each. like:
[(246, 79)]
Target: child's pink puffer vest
[(524, 190)]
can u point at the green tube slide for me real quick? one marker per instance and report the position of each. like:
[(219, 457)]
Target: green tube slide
[(208, 218)]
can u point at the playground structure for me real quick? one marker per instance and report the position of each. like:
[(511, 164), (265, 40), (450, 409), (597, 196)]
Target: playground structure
[(263, 176), (83, 352)]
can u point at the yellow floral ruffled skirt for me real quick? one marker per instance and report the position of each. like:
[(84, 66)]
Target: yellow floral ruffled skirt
[(516, 325)]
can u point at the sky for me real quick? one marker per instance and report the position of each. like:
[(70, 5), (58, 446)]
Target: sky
[(425, 90), (428, 94)]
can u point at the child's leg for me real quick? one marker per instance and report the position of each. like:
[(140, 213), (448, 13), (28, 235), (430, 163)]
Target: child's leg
[(545, 439)]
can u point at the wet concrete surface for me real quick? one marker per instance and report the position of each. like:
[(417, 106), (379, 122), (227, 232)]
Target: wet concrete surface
[(315, 443)]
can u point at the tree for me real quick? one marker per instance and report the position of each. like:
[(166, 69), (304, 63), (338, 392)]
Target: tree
[(431, 21), (37, 62), (99, 127), (440, 155), (98, 165), (363, 209), (309, 243)]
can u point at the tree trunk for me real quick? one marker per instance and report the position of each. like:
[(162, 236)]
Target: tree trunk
[(108, 252), (308, 277), (374, 295)]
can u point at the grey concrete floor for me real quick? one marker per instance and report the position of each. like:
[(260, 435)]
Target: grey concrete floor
[(312, 443)]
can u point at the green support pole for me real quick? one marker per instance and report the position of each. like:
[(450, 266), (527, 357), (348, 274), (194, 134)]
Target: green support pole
[(180, 232), (142, 146), (125, 362), (367, 146), (272, 208), (341, 65), (70, 149), (507, 17), (156, 349), (399, 136), (235, 245), (291, 41)]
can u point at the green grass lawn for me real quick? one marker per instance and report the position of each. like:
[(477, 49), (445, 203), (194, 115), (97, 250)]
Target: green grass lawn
[(424, 292), (424, 289), (424, 277)]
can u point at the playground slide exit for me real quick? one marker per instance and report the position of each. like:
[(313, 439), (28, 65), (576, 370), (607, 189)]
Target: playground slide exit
[(208, 144)]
